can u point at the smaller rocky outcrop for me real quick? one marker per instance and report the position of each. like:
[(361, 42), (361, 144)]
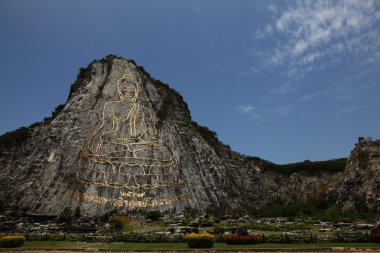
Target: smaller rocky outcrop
[(359, 186)]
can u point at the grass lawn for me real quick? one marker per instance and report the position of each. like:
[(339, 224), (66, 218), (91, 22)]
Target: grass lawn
[(148, 246), (134, 225)]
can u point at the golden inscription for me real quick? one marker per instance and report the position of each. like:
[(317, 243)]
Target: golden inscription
[(127, 201), (132, 194)]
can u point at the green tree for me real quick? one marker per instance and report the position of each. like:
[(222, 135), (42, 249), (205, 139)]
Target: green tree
[(116, 225), (153, 215), (106, 216), (190, 212), (65, 216), (77, 212)]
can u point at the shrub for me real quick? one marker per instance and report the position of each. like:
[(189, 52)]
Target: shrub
[(116, 225), (15, 138), (77, 212), (375, 233), (217, 220), (153, 215), (375, 237), (219, 230), (280, 227), (209, 136), (207, 223), (57, 110), (240, 239), (242, 231), (194, 230), (312, 168), (190, 212), (104, 218), (12, 241), (200, 240), (65, 216), (194, 224)]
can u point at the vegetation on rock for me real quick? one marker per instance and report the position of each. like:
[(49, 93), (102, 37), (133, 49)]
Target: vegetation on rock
[(14, 138), (308, 167), (209, 136)]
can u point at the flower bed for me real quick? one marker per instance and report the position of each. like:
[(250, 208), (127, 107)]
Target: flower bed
[(200, 240), (240, 239), (11, 241)]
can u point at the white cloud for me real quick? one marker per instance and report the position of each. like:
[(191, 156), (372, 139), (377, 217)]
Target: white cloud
[(282, 111), (310, 96), (262, 34), (282, 89), (299, 47), (353, 108), (254, 70), (273, 8), (309, 34), (245, 109), (268, 29)]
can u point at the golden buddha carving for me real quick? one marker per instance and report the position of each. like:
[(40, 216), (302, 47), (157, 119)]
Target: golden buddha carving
[(125, 152)]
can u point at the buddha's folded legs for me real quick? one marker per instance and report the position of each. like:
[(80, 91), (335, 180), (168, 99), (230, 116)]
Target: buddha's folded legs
[(125, 176)]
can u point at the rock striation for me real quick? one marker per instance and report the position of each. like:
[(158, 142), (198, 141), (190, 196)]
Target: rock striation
[(125, 140)]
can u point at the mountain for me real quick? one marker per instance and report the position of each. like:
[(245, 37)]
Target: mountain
[(124, 140)]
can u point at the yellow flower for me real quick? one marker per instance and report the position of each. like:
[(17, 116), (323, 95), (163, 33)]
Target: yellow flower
[(200, 236)]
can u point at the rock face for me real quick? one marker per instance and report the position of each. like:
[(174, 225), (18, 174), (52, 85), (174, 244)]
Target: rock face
[(360, 183), (125, 140)]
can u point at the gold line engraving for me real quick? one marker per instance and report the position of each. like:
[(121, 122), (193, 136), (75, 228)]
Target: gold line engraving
[(126, 153), (143, 202)]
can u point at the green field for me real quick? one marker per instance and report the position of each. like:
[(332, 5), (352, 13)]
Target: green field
[(152, 246)]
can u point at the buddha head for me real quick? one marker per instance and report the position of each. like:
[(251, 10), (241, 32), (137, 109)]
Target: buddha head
[(126, 88)]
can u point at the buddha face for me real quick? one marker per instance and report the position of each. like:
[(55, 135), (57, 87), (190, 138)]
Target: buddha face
[(127, 90)]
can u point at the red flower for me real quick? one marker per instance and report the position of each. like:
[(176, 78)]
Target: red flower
[(242, 239)]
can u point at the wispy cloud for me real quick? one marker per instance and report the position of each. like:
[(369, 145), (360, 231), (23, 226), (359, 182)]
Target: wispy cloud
[(282, 111), (262, 34), (311, 96), (353, 108), (310, 35), (248, 110), (273, 8), (282, 89), (245, 109)]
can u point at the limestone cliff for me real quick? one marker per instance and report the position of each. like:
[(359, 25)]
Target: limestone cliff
[(125, 140), (165, 163), (359, 185)]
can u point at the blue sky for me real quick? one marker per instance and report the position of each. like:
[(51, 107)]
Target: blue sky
[(282, 80)]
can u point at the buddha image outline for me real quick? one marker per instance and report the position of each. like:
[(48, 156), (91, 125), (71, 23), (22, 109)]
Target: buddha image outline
[(125, 151)]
